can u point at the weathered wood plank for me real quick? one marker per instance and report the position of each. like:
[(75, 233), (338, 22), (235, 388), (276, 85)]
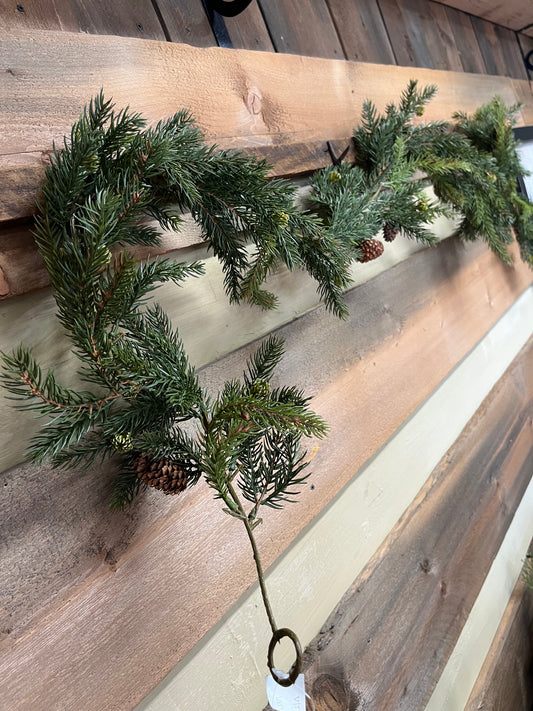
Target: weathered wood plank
[(318, 568), (21, 177), (420, 34), (302, 27), (362, 32), (186, 21), (126, 18), (526, 45), (249, 30), (466, 41), (31, 318), (505, 681), (22, 269), (391, 635), (513, 13), (405, 333), (512, 55), (241, 99), (500, 49)]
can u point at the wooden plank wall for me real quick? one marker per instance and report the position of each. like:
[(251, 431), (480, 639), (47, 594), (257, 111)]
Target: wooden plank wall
[(76, 629), (419, 33)]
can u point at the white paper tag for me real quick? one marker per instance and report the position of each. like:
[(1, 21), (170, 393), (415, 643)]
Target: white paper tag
[(286, 698)]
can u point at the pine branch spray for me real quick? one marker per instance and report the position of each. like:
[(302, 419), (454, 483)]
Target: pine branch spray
[(144, 406)]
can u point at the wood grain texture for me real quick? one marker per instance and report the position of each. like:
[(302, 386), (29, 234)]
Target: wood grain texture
[(249, 30), (406, 331), (466, 41), (526, 45), (186, 21), (318, 568), (241, 99), (126, 18), (512, 13), (420, 34), (302, 27), (361, 31), (505, 681), (500, 49), (390, 637), (31, 318)]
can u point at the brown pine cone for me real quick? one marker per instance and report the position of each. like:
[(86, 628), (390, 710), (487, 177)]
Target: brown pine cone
[(389, 233), (167, 475), (371, 249)]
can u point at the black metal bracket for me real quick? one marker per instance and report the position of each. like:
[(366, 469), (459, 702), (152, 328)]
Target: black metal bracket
[(227, 8), (336, 160)]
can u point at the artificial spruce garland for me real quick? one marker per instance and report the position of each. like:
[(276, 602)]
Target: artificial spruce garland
[(144, 406), (472, 165)]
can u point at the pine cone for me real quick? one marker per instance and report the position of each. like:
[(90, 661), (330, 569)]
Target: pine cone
[(389, 233), (371, 249), (164, 474)]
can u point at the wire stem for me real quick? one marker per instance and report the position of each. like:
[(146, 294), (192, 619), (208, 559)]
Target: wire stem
[(257, 558)]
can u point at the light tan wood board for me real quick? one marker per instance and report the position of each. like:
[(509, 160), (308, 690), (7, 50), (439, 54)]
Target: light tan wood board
[(240, 98), (515, 14), (169, 587)]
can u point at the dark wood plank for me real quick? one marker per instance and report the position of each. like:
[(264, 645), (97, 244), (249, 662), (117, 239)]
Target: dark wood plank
[(420, 34), (186, 21), (512, 55), (514, 14), (362, 31), (466, 41), (249, 30), (506, 678), (386, 644), (500, 49), (302, 27), (126, 18), (526, 45)]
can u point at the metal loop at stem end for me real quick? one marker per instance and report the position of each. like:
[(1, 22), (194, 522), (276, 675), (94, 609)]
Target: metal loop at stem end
[(296, 667)]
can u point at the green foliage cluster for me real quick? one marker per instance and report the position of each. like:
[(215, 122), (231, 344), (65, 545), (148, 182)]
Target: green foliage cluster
[(143, 398), (471, 163), (143, 404), (115, 172)]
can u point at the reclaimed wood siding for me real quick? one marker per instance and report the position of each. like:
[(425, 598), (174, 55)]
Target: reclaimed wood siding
[(406, 32), (77, 597)]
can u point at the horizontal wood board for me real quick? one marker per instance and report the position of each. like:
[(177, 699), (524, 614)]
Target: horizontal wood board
[(241, 99), (386, 644), (383, 370), (32, 319), (307, 582), (128, 18), (506, 681)]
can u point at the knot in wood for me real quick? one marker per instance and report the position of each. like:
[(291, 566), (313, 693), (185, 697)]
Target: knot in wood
[(254, 102), (330, 694)]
